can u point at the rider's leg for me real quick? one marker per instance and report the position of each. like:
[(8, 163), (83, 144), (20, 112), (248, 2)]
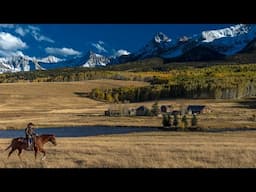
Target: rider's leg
[(29, 142)]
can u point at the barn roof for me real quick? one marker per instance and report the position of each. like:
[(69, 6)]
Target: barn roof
[(196, 107), (141, 108)]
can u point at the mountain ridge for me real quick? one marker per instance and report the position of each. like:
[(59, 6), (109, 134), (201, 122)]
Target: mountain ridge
[(205, 46)]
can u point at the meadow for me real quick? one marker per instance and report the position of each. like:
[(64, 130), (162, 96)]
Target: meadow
[(58, 104), (144, 150)]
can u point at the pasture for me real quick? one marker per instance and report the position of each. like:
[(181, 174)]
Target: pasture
[(59, 104), (143, 150)]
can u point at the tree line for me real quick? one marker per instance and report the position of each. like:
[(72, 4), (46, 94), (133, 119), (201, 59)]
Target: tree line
[(176, 123), (220, 81), (183, 89)]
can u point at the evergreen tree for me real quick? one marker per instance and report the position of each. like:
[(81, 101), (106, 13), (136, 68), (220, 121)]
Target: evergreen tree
[(166, 120), (155, 109), (176, 121), (194, 121), (184, 121)]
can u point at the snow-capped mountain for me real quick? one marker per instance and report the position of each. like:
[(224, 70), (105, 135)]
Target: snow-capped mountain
[(18, 63), (232, 31), (89, 59), (155, 47), (227, 41), (94, 60), (207, 45), (230, 41), (24, 63), (50, 59)]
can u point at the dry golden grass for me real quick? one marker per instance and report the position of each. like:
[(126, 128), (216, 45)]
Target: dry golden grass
[(144, 150), (52, 104), (56, 104)]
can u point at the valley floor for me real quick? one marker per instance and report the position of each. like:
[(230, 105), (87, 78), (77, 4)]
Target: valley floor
[(144, 150), (64, 104)]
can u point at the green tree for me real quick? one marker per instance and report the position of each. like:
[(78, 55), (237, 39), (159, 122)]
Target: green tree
[(155, 109), (116, 97), (194, 121), (148, 112), (109, 97), (166, 120), (184, 121), (176, 121)]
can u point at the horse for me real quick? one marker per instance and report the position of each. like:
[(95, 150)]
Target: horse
[(20, 143)]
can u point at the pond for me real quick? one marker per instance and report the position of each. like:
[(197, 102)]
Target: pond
[(77, 131)]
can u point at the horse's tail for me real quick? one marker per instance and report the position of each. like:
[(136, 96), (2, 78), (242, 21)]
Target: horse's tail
[(9, 146)]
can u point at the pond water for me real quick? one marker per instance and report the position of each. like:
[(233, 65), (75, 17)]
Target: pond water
[(76, 131)]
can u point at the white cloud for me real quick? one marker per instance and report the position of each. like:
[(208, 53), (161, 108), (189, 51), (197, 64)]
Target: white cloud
[(99, 47), (62, 51), (5, 53), (7, 25), (40, 37), (10, 43), (44, 38), (21, 31), (121, 52), (33, 28), (34, 31)]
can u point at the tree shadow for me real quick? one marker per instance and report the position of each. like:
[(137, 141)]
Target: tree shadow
[(216, 130), (249, 103), (82, 94)]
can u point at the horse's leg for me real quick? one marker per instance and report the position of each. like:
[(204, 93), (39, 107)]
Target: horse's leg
[(20, 150), (11, 152), (44, 152), (36, 150)]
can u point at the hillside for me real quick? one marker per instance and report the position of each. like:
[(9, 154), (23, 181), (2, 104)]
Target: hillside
[(225, 81)]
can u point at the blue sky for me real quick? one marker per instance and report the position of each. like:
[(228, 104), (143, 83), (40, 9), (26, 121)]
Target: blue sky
[(66, 40)]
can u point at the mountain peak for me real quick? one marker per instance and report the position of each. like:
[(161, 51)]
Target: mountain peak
[(235, 30), (161, 37), (93, 59), (50, 59), (183, 39), (90, 52)]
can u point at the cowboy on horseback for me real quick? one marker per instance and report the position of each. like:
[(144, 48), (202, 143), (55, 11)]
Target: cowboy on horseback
[(30, 134)]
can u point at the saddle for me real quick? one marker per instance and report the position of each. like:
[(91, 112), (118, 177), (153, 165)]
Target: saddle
[(24, 140)]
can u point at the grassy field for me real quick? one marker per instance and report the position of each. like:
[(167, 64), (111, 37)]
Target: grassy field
[(144, 150), (63, 104), (52, 104)]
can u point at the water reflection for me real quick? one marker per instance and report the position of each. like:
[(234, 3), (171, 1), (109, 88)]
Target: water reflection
[(76, 131)]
